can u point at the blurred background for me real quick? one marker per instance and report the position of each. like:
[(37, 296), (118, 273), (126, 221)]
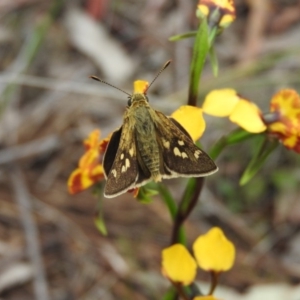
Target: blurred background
[(49, 245)]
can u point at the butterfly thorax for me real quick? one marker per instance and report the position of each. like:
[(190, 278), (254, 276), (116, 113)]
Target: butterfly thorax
[(140, 115)]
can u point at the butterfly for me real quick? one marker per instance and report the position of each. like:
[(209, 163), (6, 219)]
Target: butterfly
[(149, 146)]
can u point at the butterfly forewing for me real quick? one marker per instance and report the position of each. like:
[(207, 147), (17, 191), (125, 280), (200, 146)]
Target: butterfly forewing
[(181, 157), (111, 151), (123, 173)]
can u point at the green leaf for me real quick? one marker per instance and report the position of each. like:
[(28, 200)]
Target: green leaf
[(200, 51), (265, 148), (100, 225), (214, 61), (212, 35), (97, 191), (145, 194), (182, 36), (236, 136)]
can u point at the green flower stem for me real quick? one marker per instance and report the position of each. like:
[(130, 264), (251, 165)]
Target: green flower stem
[(200, 51), (168, 199), (186, 205), (172, 207), (194, 186)]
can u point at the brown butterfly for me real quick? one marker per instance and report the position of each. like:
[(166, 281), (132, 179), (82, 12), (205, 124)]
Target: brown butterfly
[(150, 146)]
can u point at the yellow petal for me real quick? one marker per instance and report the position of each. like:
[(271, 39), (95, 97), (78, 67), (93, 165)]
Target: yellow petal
[(204, 9), (209, 297), (79, 181), (97, 173), (178, 264), (92, 140), (220, 103), (279, 127), (89, 159), (248, 116), (213, 251), (191, 119), (290, 142), (103, 144), (287, 103), (140, 87), (226, 20)]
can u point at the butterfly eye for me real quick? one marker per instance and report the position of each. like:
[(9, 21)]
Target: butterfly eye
[(129, 101)]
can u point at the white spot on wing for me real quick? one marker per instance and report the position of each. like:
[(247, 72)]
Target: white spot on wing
[(122, 156), (127, 163), (131, 152), (114, 172), (197, 153), (184, 155), (176, 151), (181, 143), (166, 144), (126, 166)]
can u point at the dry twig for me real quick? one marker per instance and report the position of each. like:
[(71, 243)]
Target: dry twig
[(31, 234)]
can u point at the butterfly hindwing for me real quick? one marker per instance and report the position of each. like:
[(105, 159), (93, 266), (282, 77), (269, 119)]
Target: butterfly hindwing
[(181, 157)]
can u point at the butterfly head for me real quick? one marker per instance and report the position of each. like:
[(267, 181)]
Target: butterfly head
[(140, 88)]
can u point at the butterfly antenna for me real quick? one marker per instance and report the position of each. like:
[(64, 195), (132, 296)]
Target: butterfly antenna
[(162, 69), (98, 79)]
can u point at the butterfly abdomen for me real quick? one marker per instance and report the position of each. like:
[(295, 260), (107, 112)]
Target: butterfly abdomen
[(148, 147)]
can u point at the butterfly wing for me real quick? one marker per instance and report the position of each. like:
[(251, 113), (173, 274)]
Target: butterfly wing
[(181, 157), (120, 162), (111, 151)]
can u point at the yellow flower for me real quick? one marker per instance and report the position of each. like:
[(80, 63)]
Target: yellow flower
[(178, 265), (283, 121), (220, 12), (285, 109), (227, 103), (89, 170), (213, 251)]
